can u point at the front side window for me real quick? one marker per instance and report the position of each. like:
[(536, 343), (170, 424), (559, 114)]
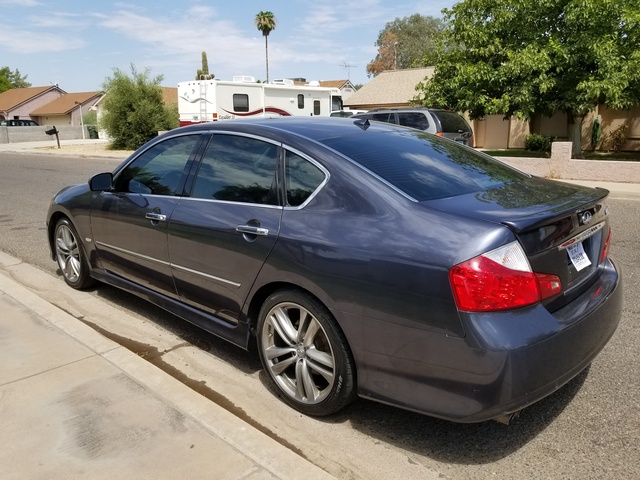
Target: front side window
[(158, 170), (302, 178), (240, 102), (238, 169)]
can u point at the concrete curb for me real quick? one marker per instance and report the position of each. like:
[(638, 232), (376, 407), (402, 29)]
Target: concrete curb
[(278, 460)]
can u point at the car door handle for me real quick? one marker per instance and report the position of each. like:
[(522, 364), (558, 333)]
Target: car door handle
[(250, 229), (157, 217)]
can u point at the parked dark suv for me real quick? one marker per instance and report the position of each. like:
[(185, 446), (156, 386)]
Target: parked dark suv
[(443, 123)]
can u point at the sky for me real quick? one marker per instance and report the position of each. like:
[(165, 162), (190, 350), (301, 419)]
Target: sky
[(78, 44)]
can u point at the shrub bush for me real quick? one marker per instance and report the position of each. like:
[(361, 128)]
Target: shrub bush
[(616, 139), (537, 143)]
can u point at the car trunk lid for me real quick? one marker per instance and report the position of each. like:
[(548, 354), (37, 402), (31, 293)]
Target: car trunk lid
[(561, 227)]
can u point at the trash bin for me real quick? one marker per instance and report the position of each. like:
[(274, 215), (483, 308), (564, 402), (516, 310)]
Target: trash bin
[(93, 131)]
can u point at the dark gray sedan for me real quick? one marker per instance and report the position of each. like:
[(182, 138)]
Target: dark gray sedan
[(362, 259)]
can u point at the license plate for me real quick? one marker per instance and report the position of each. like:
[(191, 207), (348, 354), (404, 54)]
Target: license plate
[(578, 256)]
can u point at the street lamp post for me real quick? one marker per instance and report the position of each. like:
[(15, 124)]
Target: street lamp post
[(81, 119)]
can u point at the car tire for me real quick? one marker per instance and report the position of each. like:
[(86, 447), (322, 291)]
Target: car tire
[(305, 354), (71, 257)]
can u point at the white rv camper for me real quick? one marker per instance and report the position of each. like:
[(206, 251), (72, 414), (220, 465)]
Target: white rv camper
[(211, 100)]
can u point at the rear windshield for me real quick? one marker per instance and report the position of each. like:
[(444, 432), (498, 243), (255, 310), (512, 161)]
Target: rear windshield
[(451, 122), (423, 166)]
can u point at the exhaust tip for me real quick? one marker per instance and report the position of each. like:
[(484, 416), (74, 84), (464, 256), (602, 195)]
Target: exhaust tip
[(508, 418)]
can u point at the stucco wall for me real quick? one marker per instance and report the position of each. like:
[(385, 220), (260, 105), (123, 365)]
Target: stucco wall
[(37, 134), (562, 166)]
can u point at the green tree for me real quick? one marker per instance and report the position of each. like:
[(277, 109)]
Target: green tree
[(529, 58), (203, 73), (134, 109), (10, 79), (406, 42), (265, 22)]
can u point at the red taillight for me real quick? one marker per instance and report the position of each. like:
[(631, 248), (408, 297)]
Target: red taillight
[(500, 280), (605, 248), (439, 134)]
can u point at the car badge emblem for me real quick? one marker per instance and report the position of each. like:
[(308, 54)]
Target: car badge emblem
[(585, 217)]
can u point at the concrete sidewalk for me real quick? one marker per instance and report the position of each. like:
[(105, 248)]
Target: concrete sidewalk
[(74, 404)]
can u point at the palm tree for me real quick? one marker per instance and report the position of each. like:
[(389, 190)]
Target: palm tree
[(265, 22)]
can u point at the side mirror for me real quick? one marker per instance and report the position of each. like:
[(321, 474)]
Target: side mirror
[(101, 182)]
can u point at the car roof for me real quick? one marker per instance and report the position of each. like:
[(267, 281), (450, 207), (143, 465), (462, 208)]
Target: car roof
[(314, 128)]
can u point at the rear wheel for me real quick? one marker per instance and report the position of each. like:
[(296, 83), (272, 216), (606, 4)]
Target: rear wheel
[(71, 257), (305, 353)]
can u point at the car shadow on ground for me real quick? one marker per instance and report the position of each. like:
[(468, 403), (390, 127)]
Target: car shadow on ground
[(444, 441), (246, 362), (449, 442)]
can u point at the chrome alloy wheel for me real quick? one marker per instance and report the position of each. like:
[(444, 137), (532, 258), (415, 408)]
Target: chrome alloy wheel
[(298, 353), (68, 253)]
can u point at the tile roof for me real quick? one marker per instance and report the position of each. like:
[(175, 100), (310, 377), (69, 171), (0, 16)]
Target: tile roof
[(14, 97), (66, 103), (333, 83), (392, 87), (169, 95)]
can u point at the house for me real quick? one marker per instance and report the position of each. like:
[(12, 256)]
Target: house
[(170, 95), (345, 86), (19, 103), (495, 132), (391, 88), (67, 109), (396, 88)]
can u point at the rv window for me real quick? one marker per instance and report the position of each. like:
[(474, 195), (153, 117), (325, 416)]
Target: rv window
[(300, 100), (316, 107), (240, 102)]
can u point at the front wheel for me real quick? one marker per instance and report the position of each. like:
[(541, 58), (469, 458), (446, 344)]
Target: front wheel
[(305, 353), (71, 257)]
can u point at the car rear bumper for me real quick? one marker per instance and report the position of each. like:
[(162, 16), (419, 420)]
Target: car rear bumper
[(506, 361)]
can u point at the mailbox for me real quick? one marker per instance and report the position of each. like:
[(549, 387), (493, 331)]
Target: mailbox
[(54, 131)]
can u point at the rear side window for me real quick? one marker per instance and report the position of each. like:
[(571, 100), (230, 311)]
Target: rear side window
[(302, 178), (452, 122), (413, 120), (422, 166), (386, 117), (238, 169)]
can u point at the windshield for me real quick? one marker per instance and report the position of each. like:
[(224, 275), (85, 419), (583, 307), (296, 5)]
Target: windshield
[(423, 166)]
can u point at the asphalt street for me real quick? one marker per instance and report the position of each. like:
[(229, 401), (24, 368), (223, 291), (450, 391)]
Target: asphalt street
[(586, 430)]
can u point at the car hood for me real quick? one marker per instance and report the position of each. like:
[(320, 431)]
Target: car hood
[(524, 205)]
